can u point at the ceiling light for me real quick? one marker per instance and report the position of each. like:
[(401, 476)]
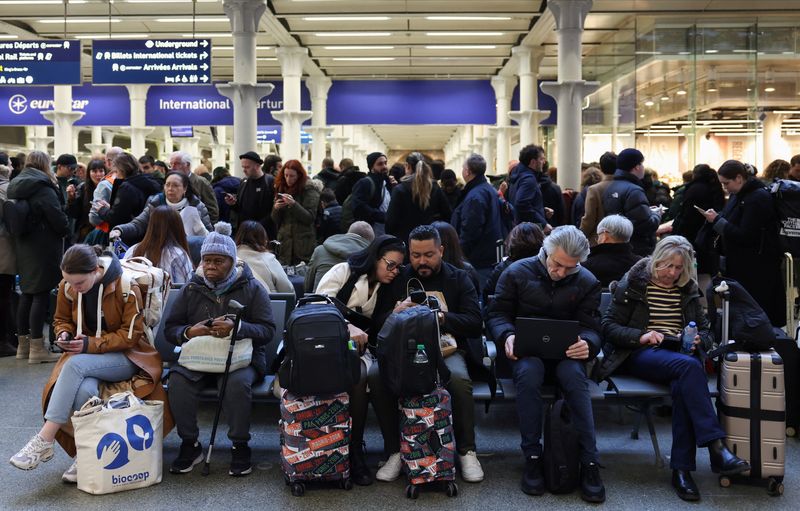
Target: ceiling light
[(7, 36), (467, 18), (353, 34), (464, 34), (712, 51), (266, 59), (363, 59), (712, 86), (680, 92), (769, 89), (461, 47), (208, 34), (228, 47), (112, 36), (664, 96), (649, 102), (79, 20), (191, 20), (30, 2), (362, 47), (347, 18)]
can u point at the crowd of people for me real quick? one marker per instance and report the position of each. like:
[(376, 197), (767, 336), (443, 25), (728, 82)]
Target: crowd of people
[(365, 238)]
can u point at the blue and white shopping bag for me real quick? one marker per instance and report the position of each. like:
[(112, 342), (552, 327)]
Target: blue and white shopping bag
[(119, 443)]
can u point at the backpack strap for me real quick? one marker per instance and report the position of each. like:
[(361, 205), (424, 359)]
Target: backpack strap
[(125, 285), (347, 289)]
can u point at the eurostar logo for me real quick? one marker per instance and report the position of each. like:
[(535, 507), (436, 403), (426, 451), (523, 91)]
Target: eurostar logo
[(18, 104)]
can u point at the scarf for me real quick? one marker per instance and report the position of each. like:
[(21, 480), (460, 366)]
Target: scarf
[(177, 206), (221, 287)]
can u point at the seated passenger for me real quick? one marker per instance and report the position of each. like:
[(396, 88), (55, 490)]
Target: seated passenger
[(164, 244), (658, 297), (374, 267), (251, 245), (460, 316), (524, 240), (335, 250), (220, 279), (113, 348), (552, 285), (613, 255)]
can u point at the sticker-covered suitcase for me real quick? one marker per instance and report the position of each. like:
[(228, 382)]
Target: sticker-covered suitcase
[(427, 441), (752, 411), (315, 440)]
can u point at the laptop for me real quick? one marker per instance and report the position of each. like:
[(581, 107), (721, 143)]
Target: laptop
[(545, 338)]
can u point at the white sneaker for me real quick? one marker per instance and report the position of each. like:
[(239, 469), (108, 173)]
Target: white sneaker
[(471, 470), (391, 469), (35, 451), (71, 475)]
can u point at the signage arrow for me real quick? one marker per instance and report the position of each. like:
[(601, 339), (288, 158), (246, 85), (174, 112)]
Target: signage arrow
[(204, 43), (203, 56), (204, 78), (204, 67)]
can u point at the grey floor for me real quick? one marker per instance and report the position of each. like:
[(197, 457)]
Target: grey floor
[(631, 478)]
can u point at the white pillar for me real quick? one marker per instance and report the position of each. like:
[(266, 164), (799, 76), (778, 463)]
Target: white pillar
[(62, 118), (528, 116), (168, 145), (243, 91), (96, 146), (291, 59), (319, 86), (487, 148), (137, 94), (337, 144), (108, 138), (503, 88), (570, 89), (37, 138), (774, 147), (191, 145), (219, 149)]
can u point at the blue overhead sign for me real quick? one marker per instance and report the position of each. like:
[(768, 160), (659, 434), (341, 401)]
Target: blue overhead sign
[(152, 61), (268, 134), (41, 62), (103, 106)]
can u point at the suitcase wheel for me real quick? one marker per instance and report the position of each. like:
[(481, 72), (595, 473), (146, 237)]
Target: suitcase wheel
[(724, 481), (452, 489), (286, 480), (412, 492), (298, 490), (774, 487), (791, 431), (346, 484)]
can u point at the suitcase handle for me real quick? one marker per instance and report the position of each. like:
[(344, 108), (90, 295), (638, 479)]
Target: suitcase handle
[(314, 299)]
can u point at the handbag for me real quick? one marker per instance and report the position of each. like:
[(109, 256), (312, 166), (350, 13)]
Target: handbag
[(119, 443), (208, 354)]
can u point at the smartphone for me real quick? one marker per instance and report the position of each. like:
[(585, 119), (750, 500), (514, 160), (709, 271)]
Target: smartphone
[(698, 208), (418, 296)]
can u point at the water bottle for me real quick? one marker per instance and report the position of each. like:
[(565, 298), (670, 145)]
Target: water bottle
[(421, 357), (689, 334), (351, 345)]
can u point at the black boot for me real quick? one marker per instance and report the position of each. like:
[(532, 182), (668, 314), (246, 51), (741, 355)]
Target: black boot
[(724, 461), (592, 488), (533, 478), (684, 485), (359, 471)]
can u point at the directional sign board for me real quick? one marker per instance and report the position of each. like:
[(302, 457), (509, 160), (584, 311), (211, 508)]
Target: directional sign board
[(153, 61), (42, 62)]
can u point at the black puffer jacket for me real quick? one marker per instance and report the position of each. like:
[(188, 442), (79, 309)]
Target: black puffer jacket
[(626, 318), (525, 289), (552, 198), (129, 197), (196, 302), (625, 196)]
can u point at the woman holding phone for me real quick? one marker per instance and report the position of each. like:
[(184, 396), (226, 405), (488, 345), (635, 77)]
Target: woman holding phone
[(296, 204), (101, 332)]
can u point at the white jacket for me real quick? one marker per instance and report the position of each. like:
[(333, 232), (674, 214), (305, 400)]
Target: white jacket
[(336, 278), (266, 269)]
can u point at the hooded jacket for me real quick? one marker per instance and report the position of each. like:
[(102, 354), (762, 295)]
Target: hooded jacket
[(129, 197), (625, 196), (39, 251), (333, 251), (525, 195), (328, 177)]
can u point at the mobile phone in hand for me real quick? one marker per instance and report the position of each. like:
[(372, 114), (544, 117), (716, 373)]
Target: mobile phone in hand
[(699, 209)]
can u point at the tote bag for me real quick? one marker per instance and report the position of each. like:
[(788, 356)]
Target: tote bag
[(207, 354)]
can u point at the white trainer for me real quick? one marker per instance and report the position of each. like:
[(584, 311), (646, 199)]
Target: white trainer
[(471, 470), (71, 475), (35, 451), (391, 469)]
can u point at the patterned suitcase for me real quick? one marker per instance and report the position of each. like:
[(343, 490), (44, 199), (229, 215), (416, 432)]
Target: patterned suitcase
[(427, 441), (315, 440), (752, 411)]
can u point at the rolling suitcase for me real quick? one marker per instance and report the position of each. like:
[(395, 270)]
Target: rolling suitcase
[(427, 441), (752, 410), (315, 440)]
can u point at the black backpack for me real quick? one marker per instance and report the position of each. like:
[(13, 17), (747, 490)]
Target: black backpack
[(750, 328), (348, 215), (397, 346), (561, 449), (786, 198), (319, 360), (17, 218)]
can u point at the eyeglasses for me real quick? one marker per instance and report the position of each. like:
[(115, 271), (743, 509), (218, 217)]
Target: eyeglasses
[(392, 265)]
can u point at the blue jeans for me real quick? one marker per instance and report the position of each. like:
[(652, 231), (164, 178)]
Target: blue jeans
[(80, 379), (694, 420), (529, 373)]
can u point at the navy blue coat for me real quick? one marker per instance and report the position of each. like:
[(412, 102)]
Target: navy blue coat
[(477, 221), (625, 196), (228, 184), (525, 195)]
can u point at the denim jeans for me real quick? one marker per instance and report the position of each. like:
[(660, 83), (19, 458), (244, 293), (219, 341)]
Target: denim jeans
[(80, 379), (529, 375), (694, 420)]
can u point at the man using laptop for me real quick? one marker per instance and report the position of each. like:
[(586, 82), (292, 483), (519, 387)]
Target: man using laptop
[(552, 285)]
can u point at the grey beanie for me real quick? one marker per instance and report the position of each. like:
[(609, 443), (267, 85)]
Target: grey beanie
[(220, 242)]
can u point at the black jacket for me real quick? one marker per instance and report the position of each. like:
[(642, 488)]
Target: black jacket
[(404, 214), (329, 222), (39, 251), (254, 201), (329, 178), (367, 198), (525, 289), (525, 195), (552, 198), (688, 220), (228, 184), (196, 302), (477, 221), (129, 197), (610, 261), (626, 318), (625, 196), (346, 182)]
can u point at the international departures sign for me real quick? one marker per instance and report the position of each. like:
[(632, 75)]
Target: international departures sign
[(40, 62), (151, 61)]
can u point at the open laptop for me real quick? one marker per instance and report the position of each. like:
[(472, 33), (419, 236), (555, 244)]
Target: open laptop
[(545, 338)]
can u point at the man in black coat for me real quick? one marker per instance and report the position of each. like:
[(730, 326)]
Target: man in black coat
[(371, 195), (552, 198), (524, 192), (328, 175), (552, 285), (255, 197), (460, 317), (625, 196), (613, 255)]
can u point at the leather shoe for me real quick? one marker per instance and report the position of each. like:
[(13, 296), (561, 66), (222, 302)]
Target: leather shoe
[(359, 471), (724, 461), (684, 485)]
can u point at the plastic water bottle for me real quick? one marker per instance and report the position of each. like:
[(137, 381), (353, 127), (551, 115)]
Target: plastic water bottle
[(351, 345), (421, 357), (689, 334)]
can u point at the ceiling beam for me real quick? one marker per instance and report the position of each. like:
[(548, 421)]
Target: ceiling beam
[(270, 24)]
